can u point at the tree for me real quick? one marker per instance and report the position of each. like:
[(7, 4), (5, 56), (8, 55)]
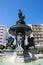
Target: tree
[(10, 41), (2, 46)]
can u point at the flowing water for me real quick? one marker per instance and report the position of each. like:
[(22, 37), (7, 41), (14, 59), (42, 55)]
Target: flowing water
[(9, 59)]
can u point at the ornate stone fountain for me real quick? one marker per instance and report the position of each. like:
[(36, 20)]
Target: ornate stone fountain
[(19, 30)]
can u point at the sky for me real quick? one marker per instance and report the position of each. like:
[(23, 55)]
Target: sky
[(32, 9)]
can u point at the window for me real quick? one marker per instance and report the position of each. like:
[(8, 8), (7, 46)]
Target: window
[(40, 35), (0, 41), (1, 35), (1, 32), (1, 29), (0, 38)]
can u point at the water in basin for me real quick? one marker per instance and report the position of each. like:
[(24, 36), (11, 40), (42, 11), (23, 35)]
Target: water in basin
[(9, 59)]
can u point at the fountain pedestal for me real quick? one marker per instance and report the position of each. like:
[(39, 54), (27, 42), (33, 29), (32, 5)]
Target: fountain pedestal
[(19, 54), (19, 50)]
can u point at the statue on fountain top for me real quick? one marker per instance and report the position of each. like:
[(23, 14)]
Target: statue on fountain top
[(21, 18)]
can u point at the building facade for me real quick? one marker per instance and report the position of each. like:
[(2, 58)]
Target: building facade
[(37, 32), (3, 34)]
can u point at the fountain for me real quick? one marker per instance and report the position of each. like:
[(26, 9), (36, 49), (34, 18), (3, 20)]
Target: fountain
[(19, 30)]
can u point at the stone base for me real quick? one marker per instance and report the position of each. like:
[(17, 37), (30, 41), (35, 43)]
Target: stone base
[(21, 59)]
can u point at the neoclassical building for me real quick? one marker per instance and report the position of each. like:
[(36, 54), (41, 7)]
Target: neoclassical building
[(37, 32)]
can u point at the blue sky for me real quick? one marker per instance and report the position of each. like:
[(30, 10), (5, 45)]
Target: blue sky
[(32, 9)]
